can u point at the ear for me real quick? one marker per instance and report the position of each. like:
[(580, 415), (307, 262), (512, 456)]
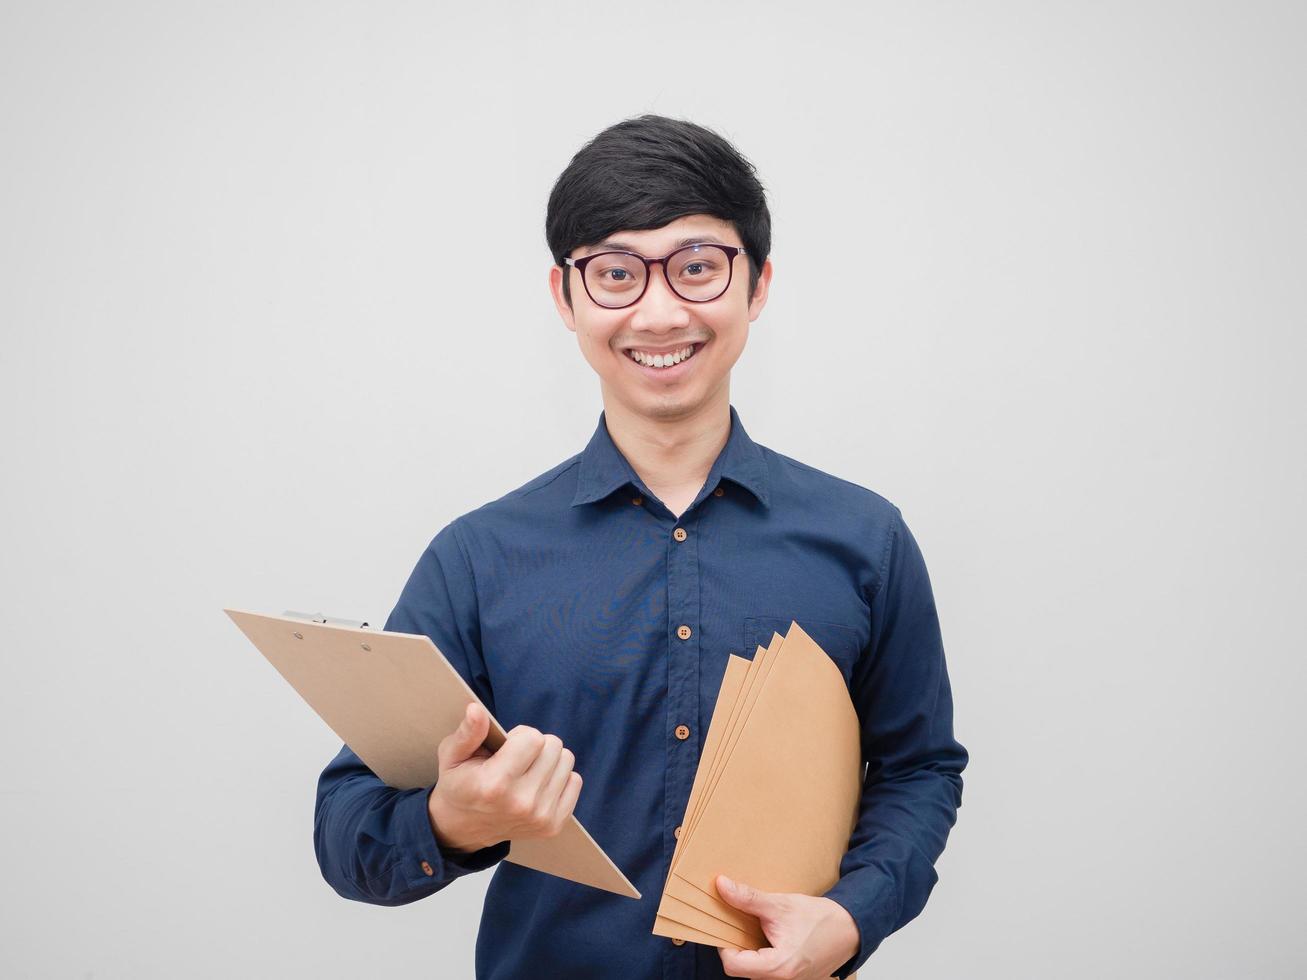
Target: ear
[(556, 273), (760, 291)]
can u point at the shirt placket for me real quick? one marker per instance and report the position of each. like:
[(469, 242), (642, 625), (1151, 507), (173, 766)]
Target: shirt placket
[(683, 737)]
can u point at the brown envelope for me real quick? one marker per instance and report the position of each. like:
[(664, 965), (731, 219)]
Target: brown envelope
[(392, 698), (675, 918), (707, 913), (759, 668), (715, 917), (781, 798)]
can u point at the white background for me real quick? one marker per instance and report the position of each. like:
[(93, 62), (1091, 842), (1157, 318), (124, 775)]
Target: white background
[(1039, 281)]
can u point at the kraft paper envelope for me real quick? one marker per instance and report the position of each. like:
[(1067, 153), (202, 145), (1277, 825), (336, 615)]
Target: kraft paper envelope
[(392, 698), (738, 683), (738, 923), (733, 927), (675, 915), (675, 918), (784, 803), (792, 782), (762, 664), (733, 685)]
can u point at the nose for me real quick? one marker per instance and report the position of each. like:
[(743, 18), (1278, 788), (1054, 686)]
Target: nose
[(660, 310)]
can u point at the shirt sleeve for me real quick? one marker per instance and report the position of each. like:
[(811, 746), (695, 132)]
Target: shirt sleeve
[(913, 785), (375, 843)]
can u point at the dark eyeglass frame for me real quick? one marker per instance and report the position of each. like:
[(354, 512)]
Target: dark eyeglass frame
[(730, 251)]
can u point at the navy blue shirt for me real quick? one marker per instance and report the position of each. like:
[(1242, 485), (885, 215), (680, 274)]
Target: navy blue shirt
[(560, 604)]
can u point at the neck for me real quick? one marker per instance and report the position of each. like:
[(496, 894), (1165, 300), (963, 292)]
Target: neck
[(671, 455)]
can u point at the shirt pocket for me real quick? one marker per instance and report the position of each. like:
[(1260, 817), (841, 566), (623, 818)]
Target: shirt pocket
[(840, 642)]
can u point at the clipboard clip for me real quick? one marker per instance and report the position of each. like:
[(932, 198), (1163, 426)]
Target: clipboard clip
[(319, 618)]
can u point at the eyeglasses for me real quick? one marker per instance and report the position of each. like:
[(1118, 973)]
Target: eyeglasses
[(697, 273)]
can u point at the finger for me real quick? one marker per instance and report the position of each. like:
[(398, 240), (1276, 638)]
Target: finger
[(566, 803), (517, 753), (571, 793), (461, 744), (537, 774), (761, 963), (744, 897), (557, 782)]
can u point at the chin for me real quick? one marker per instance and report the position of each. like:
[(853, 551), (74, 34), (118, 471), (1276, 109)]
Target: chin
[(669, 406)]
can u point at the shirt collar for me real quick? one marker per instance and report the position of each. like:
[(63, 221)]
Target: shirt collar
[(604, 469)]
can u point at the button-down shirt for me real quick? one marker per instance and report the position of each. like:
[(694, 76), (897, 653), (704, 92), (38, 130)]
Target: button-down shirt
[(580, 605)]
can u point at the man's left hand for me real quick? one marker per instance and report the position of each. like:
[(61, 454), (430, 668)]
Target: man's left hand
[(810, 937)]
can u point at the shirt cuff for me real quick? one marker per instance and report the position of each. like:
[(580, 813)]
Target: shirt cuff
[(868, 895), (425, 861)]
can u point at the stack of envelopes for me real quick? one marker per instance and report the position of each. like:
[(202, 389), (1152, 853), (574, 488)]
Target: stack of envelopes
[(776, 795)]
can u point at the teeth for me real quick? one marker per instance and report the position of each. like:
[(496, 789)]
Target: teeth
[(662, 360)]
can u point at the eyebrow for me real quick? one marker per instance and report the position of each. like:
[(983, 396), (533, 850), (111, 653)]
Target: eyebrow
[(627, 247)]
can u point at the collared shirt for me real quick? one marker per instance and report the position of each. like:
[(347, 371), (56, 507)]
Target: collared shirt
[(574, 604)]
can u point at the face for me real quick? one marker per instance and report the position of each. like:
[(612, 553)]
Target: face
[(664, 323)]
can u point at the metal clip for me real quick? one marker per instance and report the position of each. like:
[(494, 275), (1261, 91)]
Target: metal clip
[(319, 618)]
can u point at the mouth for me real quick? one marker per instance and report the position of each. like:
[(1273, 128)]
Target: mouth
[(667, 364)]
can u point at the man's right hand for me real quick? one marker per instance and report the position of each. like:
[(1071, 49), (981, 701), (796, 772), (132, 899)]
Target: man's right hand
[(526, 789)]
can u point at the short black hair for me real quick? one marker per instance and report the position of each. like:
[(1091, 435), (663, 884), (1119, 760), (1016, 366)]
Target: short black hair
[(649, 170)]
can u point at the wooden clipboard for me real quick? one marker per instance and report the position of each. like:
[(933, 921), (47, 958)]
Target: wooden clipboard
[(392, 698)]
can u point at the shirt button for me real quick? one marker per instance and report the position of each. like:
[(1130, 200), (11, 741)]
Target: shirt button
[(677, 833), (679, 534), (719, 491), (678, 942), (637, 501), (427, 869), (684, 632), (682, 732)]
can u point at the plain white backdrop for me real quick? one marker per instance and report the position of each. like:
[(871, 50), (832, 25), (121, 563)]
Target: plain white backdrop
[(274, 310)]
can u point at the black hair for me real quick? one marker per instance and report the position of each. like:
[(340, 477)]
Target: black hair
[(649, 170)]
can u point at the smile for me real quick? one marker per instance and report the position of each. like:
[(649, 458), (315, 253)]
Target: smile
[(664, 362)]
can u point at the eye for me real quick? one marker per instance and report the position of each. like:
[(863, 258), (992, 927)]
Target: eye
[(698, 269)]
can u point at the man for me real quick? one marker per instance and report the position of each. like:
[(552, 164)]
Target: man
[(593, 610)]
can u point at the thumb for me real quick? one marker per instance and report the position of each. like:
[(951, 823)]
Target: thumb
[(461, 744), (743, 897)]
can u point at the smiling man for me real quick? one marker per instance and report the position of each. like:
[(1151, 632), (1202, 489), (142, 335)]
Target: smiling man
[(594, 609), (664, 317)]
